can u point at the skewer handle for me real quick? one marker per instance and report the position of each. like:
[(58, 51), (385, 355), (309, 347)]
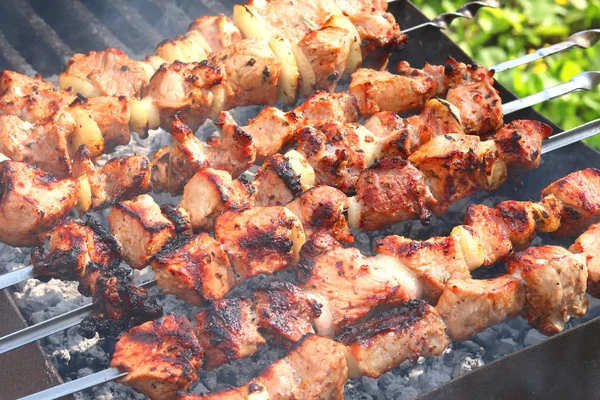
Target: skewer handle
[(77, 385), (584, 81), (16, 276), (571, 136), (444, 20), (583, 39)]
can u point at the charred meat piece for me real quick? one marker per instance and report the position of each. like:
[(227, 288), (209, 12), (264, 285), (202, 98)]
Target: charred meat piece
[(32, 202), (378, 91), (105, 73), (322, 107), (350, 285), (453, 74), (141, 227), (227, 331), (194, 269), (480, 107), (391, 190), (234, 151), (161, 357), (260, 240), (321, 209), (413, 330), (555, 282), (218, 31), (589, 244), (433, 261), (469, 306), (520, 143), (397, 136), (210, 193), (580, 194)]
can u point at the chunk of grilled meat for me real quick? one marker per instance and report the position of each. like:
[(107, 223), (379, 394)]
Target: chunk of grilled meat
[(210, 193), (315, 369), (390, 191), (322, 107), (111, 114), (32, 202), (321, 209), (141, 227), (413, 330), (469, 306), (227, 331), (160, 357), (555, 282), (492, 232), (580, 194), (480, 107), (282, 178), (272, 130), (195, 269), (118, 179), (453, 74), (350, 285), (260, 240), (105, 73), (433, 261), (377, 91), (218, 31), (589, 244), (72, 246), (520, 143)]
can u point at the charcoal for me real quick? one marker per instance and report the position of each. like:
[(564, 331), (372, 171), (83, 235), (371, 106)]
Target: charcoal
[(533, 337)]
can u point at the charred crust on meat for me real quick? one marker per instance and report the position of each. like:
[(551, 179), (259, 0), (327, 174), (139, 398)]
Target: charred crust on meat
[(222, 318), (282, 167), (169, 248), (182, 222), (260, 243), (135, 215)]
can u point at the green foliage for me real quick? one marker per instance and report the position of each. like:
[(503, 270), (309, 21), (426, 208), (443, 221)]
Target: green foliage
[(521, 26)]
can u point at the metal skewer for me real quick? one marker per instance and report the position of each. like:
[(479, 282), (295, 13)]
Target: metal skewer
[(444, 20)]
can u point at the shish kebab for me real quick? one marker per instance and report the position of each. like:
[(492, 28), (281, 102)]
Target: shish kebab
[(413, 330)]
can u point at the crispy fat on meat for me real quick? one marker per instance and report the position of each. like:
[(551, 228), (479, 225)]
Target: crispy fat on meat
[(321, 209), (433, 261), (105, 73), (32, 202), (579, 192), (195, 269), (555, 282), (589, 244), (161, 357), (218, 31), (141, 227), (260, 240), (227, 331), (210, 193), (392, 190), (350, 285), (378, 91), (413, 330), (520, 143), (480, 107), (469, 306)]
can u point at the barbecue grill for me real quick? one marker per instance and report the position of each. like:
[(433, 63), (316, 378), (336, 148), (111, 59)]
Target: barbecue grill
[(39, 36)]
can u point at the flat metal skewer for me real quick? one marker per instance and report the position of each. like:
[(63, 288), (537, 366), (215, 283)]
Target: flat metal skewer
[(444, 20)]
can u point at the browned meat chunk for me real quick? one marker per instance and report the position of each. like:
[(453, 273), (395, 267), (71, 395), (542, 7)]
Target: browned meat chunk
[(520, 143), (218, 31), (112, 115), (555, 283), (227, 331), (194, 269), (32, 203), (480, 107), (397, 136), (491, 232), (282, 178), (322, 107), (141, 227), (469, 306), (271, 131), (589, 244), (413, 330), (161, 357), (390, 191), (260, 240), (454, 73)]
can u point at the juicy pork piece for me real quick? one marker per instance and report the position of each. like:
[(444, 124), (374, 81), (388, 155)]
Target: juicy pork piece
[(210, 193), (392, 190), (227, 331), (378, 91), (433, 261), (315, 369), (118, 179), (492, 232), (112, 115), (453, 74), (322, 107), (520, 143), (589, 244), (480, 107), (105, 73), (260, 240), (218, 31), (32, 202), (469, 306), (413, 330), (141, 227), (195, 269), (555, 282), (321, 209), (282, 178), (350, 285), (161, 357), (580, 194)]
